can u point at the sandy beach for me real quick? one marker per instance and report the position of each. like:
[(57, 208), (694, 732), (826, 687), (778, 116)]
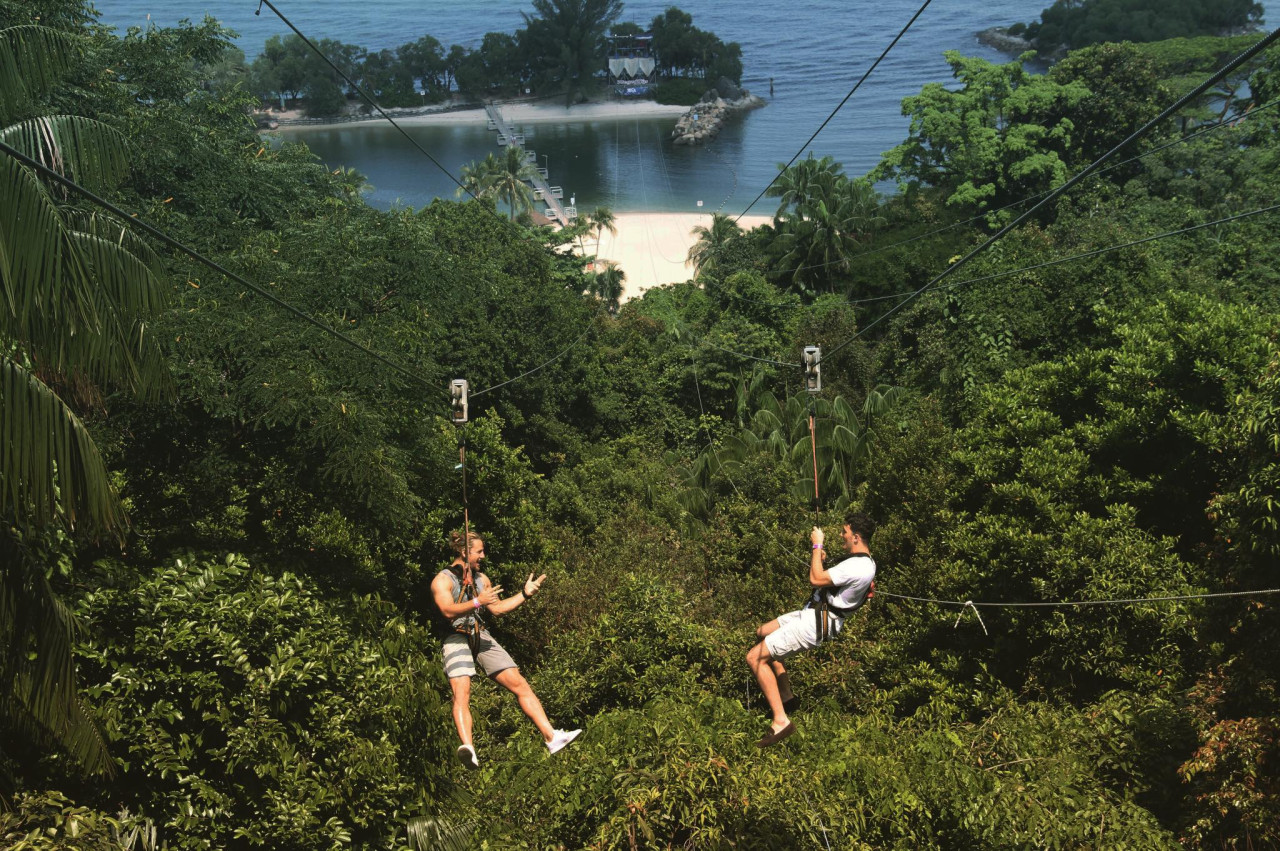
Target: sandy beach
[(515, 113), (650, 247)]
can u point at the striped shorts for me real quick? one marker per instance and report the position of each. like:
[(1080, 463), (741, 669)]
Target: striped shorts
[(459, 663)]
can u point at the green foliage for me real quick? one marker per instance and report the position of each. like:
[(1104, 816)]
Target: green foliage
[(680, 91), (822, 217), (1060, 511), (643, 647), (1079, 24), (683, 50), (246, 709), (1127, 90), (79, 294), (567, 40), (842, 438), (711, 242), (1098, 429), (1248, 512), (48, 821), (687, 772), (1003, 135)]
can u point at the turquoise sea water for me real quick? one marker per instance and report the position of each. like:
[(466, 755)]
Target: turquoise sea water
[(813, 50)]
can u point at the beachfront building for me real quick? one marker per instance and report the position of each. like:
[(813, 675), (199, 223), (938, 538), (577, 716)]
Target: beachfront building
[(631, 64)]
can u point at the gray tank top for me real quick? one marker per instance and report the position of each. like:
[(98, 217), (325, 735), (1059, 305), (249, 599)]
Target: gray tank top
[(464, 622)]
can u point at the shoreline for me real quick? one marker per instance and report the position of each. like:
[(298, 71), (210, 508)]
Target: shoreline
[(514, 113), (650, 247)]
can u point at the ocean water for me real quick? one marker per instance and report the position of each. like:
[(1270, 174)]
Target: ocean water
[(814, 51)]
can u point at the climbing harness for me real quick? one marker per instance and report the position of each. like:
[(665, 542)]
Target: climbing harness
[(471, 623), (824, 608)]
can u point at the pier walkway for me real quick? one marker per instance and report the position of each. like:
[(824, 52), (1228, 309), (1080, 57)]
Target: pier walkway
[(550, 194)]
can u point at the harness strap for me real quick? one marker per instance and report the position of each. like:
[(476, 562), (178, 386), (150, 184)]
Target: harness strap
[(465, 590), (823, 609)]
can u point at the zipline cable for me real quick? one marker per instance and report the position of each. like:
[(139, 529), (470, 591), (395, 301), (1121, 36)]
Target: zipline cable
[(1059, 261), (1080, 256), (1226, 122), (856, 85), (1262, 44), (542, 365), (1070, 603), (1095, 252), (749, 357), (360, 91), (1047, 263), (134, 220)]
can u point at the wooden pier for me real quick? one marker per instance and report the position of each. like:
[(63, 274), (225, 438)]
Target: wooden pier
[(542, 190)]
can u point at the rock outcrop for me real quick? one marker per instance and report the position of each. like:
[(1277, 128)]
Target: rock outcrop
[(999, 38), (728, 89), (705, 118)]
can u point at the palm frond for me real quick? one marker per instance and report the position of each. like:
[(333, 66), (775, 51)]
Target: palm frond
[(77, 301), (153, 382), (121, 352), (37, 632), (109, 227), (132, 285), (437, 834), (32, 59), (37, 275), (881, 400), (81, 148), (49, 464)]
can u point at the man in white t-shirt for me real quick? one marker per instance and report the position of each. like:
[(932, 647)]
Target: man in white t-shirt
[(837, 593)]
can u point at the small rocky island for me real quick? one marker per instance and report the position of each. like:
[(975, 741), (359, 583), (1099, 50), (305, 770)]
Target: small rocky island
[(704, 119)]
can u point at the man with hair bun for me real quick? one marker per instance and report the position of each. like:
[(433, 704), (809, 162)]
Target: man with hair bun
[(464, 597), (837, 593)]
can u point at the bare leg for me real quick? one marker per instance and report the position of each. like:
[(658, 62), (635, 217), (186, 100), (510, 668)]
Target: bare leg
[(779, 671), (462, 707), (759, 661), (784, 680), (513, 681)]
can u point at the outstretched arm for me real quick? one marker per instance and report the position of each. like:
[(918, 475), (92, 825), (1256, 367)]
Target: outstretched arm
[(531, 586)]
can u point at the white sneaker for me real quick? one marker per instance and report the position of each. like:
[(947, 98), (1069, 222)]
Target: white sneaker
[(467, 756), (561, 738)]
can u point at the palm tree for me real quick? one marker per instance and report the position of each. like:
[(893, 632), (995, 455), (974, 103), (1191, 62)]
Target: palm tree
[(477, 178), (602, 219), (803, 184), (509, 181), (822, 217), (779, 429), (78, 290), (607, 285), (704, 253)]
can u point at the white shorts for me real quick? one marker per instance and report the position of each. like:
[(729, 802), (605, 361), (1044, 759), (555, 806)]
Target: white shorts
[(796, 631)]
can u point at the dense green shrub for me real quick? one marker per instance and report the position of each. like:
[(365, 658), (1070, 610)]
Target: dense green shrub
[(686, 772), (245, 709)]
